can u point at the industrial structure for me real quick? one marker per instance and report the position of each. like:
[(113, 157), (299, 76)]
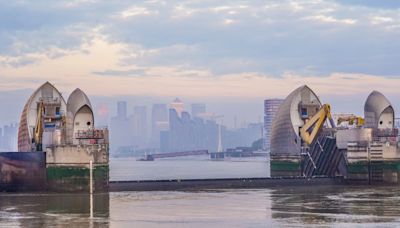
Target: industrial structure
[(306, 141), (373, 151), (65, 132), (57, 142)]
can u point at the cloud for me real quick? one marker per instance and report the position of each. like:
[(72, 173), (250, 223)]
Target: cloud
[(330, 19), (172, 45), (129, 72), (274, 37), (136, 11), (99, 73), (387, 4), (380, 20)]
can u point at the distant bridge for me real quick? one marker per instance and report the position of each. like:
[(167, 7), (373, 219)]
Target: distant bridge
[(151, 157)]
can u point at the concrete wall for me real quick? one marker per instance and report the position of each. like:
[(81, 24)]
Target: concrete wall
[(77, 154), (286, 166), (68, 168), (64, 178), (343, 137), (373, 162)]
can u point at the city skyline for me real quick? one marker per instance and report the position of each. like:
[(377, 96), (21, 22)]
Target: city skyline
[(135, 129), (245, 111)]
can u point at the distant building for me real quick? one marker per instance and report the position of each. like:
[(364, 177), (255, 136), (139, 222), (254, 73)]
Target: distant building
[(159, 122), (8, 137), (140, 126), (121, 128), (122, 109), (102, 113), (186, 133), (197, 109), (178, 106), (164, 141), (242, 136), (271, 107)]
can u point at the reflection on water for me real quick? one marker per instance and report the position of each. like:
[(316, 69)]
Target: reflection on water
[(49, 210), (337, 205), (327, 206)]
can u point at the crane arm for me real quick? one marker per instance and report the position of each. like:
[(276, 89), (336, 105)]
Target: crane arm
[(359, 121), (313, 126)]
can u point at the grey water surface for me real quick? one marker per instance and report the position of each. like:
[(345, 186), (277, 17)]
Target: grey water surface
[(326, 206)]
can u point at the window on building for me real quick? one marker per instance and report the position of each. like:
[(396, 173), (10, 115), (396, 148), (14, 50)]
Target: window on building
[(303, 111)]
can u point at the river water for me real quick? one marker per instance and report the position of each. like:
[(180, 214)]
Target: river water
[(196, 167), (284, 207)]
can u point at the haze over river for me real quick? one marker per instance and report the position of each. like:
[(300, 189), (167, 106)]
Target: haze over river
[(317, 206)]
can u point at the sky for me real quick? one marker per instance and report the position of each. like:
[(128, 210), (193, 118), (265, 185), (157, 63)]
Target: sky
[(230, 55)]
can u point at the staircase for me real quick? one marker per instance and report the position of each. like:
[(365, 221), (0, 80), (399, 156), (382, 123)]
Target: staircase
[(322, 158), (376, 164)]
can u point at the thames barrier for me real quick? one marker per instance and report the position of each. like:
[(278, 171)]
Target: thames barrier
[(60, 150)]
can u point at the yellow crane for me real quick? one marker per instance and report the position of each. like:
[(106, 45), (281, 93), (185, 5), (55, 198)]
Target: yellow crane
[(310, 130), (352, 119), (39, 127)]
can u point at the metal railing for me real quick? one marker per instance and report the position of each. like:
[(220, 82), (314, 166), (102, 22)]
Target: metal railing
[(90, 134)]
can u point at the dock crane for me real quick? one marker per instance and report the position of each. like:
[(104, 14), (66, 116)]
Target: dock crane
[(38, 135), (311, 129)]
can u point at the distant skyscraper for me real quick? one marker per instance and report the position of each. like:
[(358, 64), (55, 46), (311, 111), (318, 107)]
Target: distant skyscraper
[(102, 114), (121, 131), (159, 122), (121, 109), (159, 112), (8, 137), (219, 149), (242, 136), (198, 108), (186, 133), (270, 109), (140, 125), (178, 105)]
